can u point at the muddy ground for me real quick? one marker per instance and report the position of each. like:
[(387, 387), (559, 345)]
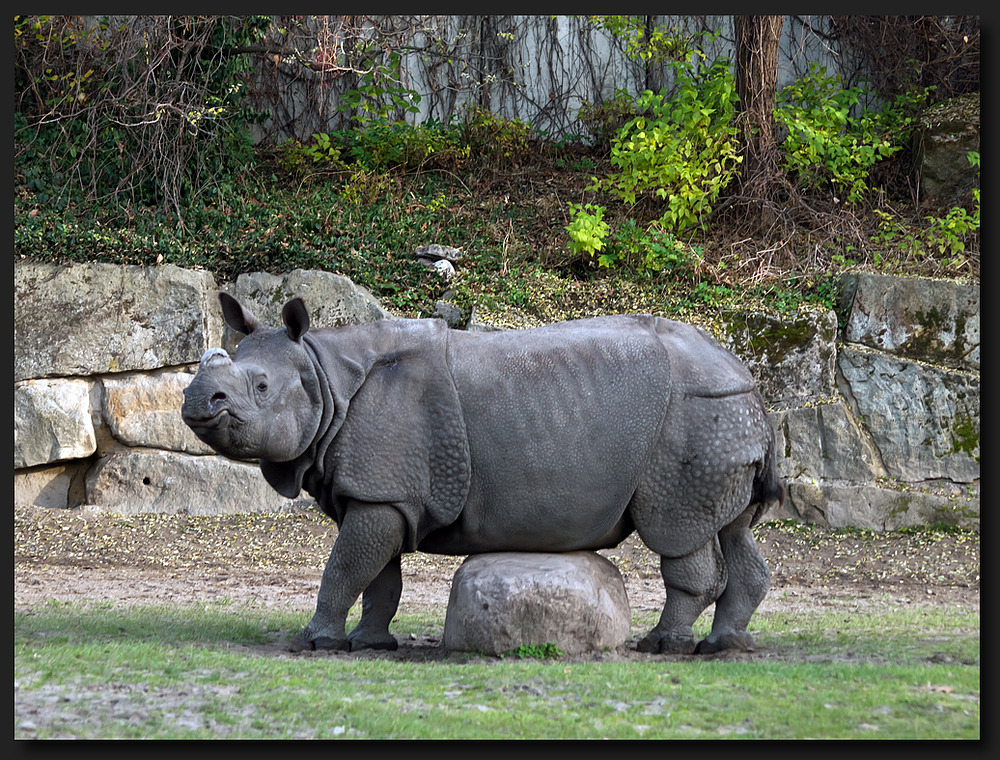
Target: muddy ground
[(275, 560)]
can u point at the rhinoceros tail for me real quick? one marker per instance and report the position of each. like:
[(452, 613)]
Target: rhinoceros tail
[(768, 490)]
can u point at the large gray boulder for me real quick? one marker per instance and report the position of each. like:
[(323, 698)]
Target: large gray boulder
[(333, 299), (504, 600)]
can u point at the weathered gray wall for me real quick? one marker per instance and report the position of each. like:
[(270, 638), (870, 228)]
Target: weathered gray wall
[(877, 427), (536, 68)]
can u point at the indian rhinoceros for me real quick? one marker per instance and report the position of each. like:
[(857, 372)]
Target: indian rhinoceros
[(415, 437)]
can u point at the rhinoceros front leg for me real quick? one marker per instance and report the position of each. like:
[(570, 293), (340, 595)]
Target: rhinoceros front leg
[(379, 603), (370, 538), (748, 581)]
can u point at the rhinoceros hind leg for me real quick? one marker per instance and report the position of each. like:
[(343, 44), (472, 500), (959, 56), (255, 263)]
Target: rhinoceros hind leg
[(748, 581), (692, 582)]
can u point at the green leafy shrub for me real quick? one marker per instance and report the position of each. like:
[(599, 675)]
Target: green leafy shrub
[(386, 146), (826, 146), (494, 139), (380, 94), (682, 150), (646, 249), (322, 154), (648, 44), (664, 252)]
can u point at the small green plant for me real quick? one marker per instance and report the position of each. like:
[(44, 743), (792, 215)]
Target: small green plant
[(651, 249), (547, 651), (895, 233), (827, 146), (587, 230), (664, 252), (950, 233), (322, 151), (493, 138), (321, 154), (583, 164)]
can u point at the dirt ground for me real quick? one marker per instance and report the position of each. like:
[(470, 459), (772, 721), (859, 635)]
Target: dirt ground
[(275, 560)]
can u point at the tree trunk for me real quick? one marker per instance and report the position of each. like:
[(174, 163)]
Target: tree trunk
[(757, 40)]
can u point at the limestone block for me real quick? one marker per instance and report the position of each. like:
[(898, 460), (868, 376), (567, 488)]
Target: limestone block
[(92, 319), (57, 486), (824, 441), (133, 481), (144, 410), (503, 600), (866, 505), (923, 420), (935, 321), (332, 300), (52, 422), (945, 133), (792, 357)]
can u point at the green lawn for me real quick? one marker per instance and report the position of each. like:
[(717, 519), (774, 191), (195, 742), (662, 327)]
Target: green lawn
[(214, 672)]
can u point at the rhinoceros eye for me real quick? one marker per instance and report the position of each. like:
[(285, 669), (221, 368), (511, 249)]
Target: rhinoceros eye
[(262, 386)]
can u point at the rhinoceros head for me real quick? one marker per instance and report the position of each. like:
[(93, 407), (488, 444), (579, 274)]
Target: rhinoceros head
[(265, 402)]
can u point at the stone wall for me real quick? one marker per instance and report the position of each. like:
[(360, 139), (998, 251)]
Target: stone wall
[(878, 425)]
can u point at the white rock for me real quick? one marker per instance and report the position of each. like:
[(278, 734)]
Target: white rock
[(52, 422), (501, 601)]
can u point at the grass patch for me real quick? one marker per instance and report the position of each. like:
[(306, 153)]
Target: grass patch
[(213, 672)]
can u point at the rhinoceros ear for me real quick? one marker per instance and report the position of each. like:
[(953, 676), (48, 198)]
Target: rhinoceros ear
[(237, 317), (296, 319)]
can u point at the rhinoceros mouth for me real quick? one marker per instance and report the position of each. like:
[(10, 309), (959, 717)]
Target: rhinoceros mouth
[(211, 424)]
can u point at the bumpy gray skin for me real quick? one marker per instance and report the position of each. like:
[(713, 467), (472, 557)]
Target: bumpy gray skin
[(414, 437)]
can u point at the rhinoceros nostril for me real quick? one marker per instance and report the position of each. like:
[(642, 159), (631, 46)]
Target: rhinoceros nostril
[(220, 396)]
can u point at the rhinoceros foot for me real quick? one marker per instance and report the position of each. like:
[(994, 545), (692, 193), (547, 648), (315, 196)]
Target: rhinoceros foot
[(305, 643), (739, 641), (389, 644), (657, 642)]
